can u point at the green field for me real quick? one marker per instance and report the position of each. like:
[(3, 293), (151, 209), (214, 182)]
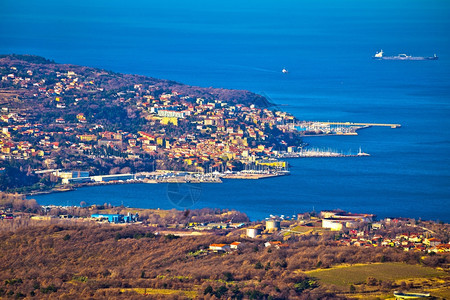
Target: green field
[(347, 275)]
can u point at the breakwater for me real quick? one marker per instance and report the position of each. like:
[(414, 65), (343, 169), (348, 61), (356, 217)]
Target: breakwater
[(318, 128)]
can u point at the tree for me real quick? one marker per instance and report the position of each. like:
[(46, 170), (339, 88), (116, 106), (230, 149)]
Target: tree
[(208, 290)]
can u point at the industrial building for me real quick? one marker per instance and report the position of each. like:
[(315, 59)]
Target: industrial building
[(73, 176), (337, 214), (117, 218), (106, 178)]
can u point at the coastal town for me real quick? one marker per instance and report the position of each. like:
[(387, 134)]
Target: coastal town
[(67, 118), (75, 125)]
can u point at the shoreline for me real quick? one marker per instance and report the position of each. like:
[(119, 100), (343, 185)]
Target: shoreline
[(252, 216), (193, 180), (148, 181)]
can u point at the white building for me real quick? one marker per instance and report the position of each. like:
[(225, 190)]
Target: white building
[(219, 247), (171, 114)]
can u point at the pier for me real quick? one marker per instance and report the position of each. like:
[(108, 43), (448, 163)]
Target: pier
[(311, 128), (361, 124), (320, 153)]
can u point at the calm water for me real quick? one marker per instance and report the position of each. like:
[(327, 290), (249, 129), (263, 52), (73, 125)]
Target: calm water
[(327, 48)]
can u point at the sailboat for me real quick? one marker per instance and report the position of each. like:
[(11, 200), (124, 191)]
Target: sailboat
[(360, 153)]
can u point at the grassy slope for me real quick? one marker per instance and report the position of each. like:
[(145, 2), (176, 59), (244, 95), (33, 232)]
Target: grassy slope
[(346, 275)]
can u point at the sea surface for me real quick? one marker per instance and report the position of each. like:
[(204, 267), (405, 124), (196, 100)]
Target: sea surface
[(325, 45)]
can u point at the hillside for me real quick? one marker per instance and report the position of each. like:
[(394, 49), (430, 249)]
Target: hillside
[(104, 262), (112, 81)]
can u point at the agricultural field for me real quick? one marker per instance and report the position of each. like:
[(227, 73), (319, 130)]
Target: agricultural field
[(379, 280)]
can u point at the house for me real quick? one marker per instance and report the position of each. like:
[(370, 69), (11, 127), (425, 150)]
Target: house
[(443, 248), (282, 246), (81, 118), (171, 113), (432, 242), (219, 247), (110, 143), (272, 243), (87, 137), (111, 135), (235, 245)]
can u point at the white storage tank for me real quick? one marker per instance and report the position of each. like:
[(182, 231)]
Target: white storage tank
[(253, 232), (273, 225)]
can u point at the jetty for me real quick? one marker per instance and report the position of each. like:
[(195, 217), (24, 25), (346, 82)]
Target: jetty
[(317, 128), (181, 177), (314, 152), (252, 175), (362, 124)]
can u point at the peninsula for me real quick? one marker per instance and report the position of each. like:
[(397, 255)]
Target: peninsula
[(91, 122)]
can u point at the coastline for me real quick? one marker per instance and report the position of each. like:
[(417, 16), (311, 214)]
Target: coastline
[(74, 187)]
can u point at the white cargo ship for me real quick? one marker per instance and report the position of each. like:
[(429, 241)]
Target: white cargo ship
[(379, 55)]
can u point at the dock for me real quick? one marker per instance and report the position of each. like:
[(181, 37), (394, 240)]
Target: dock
[(318, 128), (361, 124), (252, 175), (308, 153)]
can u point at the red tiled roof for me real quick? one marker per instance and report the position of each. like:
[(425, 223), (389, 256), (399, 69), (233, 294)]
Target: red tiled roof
[(217, 245)]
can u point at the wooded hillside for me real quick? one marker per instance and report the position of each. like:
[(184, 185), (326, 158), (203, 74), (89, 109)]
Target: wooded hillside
[(103, 261)]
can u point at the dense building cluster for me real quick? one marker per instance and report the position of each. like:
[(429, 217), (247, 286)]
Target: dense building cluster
[(77, 118)]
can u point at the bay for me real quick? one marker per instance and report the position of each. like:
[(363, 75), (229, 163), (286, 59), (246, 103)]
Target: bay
[(327, 48)]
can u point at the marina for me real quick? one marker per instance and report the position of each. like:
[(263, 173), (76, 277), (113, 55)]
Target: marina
[(314, 128), (316, 152), (184, 178), (253, 175)]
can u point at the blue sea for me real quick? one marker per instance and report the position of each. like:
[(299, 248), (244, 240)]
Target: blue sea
[(325, 45)]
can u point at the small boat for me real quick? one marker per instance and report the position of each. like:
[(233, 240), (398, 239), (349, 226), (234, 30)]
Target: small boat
[(379, 56), (402, 295), (284, 71)]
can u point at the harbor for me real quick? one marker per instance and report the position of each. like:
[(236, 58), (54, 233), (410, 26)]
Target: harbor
[(319, 128), (180, 177), (316, 152), (253, 175)]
